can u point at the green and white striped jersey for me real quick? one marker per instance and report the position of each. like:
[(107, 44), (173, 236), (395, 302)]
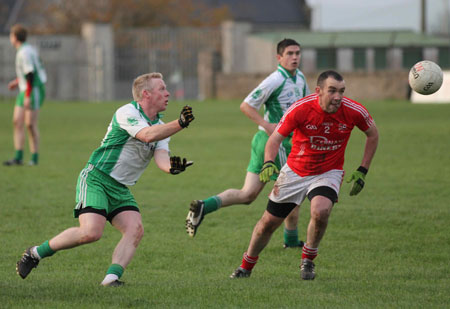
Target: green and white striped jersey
[(121, 155), (27, 61), (277, 92)]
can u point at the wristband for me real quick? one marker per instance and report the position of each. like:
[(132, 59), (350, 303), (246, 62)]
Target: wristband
[(363, 170)]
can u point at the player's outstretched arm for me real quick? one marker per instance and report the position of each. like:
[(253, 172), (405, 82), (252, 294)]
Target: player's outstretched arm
[(160, 132), (186, 116), (173, 165), (178, 165)]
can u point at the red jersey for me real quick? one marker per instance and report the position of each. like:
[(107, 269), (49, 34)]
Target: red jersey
[(320, 138)]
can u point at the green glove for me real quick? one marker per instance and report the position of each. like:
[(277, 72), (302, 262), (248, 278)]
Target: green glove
[(268, 169), (177, 165), (358, 176)]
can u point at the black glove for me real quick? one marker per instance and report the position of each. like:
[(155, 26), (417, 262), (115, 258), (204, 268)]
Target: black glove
[(177, 165), (186, 116)]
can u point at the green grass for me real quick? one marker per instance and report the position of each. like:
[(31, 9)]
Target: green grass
[(387, 247)]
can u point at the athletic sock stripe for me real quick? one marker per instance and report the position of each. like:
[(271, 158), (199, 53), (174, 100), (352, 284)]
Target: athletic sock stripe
[(250, 259), (308, 250)]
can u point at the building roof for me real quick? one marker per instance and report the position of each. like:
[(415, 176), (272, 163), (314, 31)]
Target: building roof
[(358, 39), (265, 12)]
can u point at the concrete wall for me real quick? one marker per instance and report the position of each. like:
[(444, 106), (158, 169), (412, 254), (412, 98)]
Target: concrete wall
[(99, 43), (78, 68), (63, 58), (359, 86), (261, 55), (234, 49)]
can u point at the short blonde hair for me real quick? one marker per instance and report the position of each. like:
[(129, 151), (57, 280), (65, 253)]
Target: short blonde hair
[(144, 82)]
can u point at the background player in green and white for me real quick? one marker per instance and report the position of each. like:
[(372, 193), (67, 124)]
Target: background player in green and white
[(31, 78), (134, 136), (277, 93)]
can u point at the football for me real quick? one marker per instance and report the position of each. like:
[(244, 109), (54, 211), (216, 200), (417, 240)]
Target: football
[(425, 77)]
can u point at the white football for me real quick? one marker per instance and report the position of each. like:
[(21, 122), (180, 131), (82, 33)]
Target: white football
[(425, 77)]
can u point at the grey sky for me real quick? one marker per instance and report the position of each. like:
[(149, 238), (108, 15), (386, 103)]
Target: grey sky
[(331, 15)]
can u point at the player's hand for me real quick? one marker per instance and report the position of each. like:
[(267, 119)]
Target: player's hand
[(268, 169), (186, 116), (358, 176), (177, 165), (13, 84)]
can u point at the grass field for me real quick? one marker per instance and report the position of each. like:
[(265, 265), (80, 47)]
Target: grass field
[(388, 247)]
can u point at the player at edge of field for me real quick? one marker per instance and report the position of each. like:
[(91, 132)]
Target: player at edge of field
[(31, 78), (134, 135), (322, 124), (277, 93)]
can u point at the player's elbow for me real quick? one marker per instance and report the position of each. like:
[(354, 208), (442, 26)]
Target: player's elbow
[(244, 107), (146, 136)]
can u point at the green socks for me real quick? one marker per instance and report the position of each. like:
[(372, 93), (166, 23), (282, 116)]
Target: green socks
[(44, 250), (212, 204), (291, 237), (18, 155), (35, 158), (115, 269)]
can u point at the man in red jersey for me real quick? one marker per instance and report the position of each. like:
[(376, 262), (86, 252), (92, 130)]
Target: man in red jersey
[(322, 123)]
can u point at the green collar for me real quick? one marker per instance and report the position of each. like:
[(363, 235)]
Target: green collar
[(22, 45), (286, 74), (139, 108)]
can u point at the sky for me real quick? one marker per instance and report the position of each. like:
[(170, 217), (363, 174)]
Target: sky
[(329, 15)]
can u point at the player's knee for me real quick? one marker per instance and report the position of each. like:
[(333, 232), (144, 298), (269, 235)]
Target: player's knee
[(17, 123), (249, 197), (136, 232), (30, 126), (320, 215), (139, 232), (90, 236)]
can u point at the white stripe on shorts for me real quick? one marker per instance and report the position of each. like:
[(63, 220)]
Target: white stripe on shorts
[(83, 186)]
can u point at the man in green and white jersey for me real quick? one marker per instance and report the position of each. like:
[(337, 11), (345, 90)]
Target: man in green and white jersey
[(135, 136), (31, 78), (277, 92)]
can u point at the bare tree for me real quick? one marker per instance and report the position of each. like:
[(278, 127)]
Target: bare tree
[(66, 16)]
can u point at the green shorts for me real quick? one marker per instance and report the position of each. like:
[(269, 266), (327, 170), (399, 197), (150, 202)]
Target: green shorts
[(257, 157), (100, 193), (36, 99)]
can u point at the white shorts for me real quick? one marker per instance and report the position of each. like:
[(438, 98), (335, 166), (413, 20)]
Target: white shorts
[(292, 188)]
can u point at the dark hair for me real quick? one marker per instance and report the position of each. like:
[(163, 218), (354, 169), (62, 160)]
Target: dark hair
[(330, 73), (20, 32), (285, 43)]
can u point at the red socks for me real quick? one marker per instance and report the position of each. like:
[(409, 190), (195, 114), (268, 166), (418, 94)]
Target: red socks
[(248, 262), (309, 253)]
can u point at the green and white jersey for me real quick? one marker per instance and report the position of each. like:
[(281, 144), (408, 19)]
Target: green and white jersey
[(121, 155), (27, 61), (277, 92)]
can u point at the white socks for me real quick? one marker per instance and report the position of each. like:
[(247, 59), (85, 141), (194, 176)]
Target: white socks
[(109, 278), (34, 253)]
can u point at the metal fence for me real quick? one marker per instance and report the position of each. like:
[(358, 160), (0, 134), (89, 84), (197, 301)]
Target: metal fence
[(173, 52)]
